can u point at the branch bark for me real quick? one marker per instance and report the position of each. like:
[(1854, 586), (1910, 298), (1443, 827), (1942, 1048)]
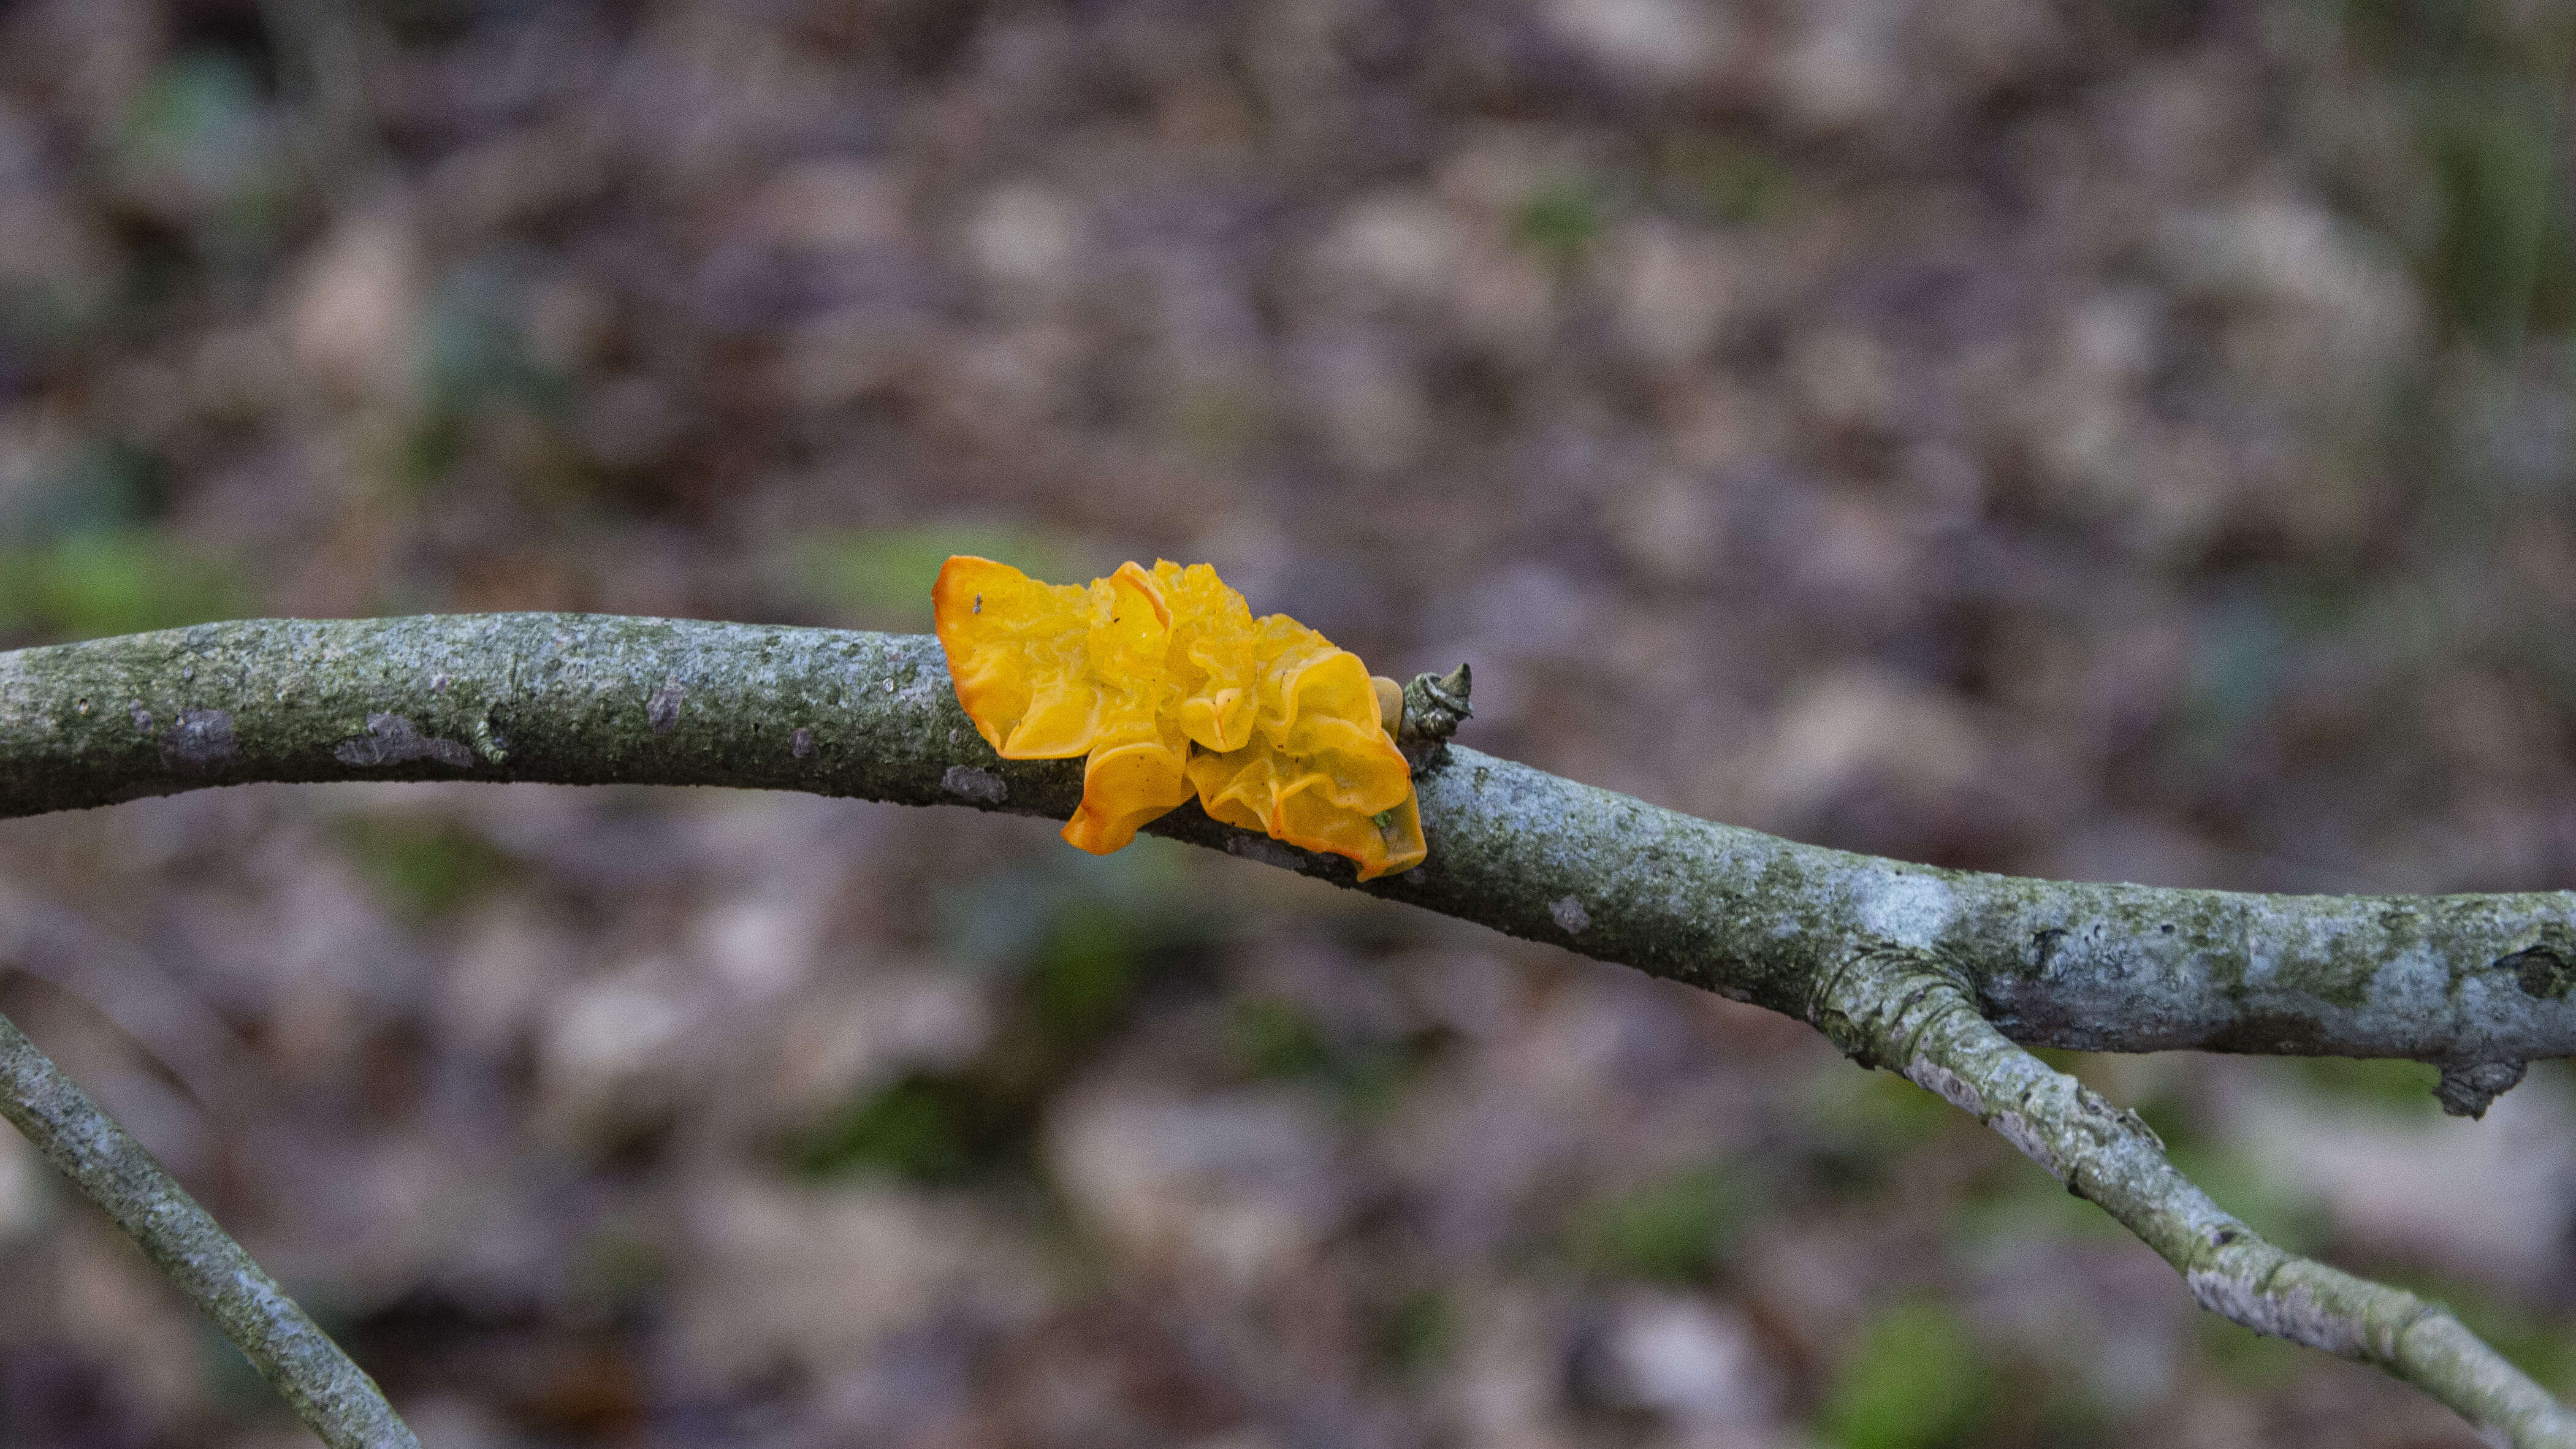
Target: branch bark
[(1900, 1009), (2476, 984), (332, 1395)]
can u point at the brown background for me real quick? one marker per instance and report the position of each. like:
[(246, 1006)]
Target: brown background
[(2118, 440)]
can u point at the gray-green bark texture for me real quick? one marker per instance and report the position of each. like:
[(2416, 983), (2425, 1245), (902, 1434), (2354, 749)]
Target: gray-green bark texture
[(332, 1394), (2476, 984), (1904, 1010)]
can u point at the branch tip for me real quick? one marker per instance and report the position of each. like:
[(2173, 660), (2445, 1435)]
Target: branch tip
[(1433, 706), (1894, 1005), (2467, 1089)]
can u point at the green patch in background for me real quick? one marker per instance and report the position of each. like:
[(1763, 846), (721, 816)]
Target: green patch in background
[(1078, 935), (199, 138), (2284, 1213), (1072, 941), (474, 347), (2553, 282), (2245, 1360), (2399, 1088), (881, 578), (1879, 1106), (1270, 1039), (1919, 1380), (1413, 1335), (1004, 919), (81, 556), (2492, 144), (46, 316), (430, 450), (2020, 1203), (107, 484), (1275, 1040), (1082, 978), (1857, 1122), (474, 359), (1561, 220), (618, 1267), (2263, 633), (193, 112), (1677, 1229), (422, 867), (121, 581), (2242, 658), (928, 1129), (2487, 84), (1723, 179)]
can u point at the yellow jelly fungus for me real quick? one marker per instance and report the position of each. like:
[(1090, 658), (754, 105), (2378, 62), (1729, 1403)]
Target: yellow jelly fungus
[(1167, 684)]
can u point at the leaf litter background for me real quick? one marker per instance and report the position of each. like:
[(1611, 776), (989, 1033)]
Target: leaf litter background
[(2111, 440)]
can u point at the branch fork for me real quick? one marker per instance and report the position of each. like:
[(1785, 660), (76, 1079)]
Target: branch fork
[(1889, 1005), (1945, 976)]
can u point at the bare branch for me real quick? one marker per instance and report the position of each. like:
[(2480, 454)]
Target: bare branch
[(1900, 1009), (2476, 984), (332, 1394)]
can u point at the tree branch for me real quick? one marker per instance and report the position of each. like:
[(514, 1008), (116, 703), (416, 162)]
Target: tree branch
[(1900, 1009), (1940, 970), (2476, 984), (331, 1394)]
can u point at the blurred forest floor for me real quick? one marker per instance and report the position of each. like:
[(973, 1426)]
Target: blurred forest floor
[(2110, 440)]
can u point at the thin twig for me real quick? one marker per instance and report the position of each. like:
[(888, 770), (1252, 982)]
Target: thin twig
[(332, 1394), (1901, 1010)]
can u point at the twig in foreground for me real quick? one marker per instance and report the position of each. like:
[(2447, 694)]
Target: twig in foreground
[(332, 1394)]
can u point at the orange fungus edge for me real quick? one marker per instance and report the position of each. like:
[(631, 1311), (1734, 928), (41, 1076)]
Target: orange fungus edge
[(956, 606)]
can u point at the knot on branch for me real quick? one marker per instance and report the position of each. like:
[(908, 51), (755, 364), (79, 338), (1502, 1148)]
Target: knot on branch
[(1873, 1004), (2542, 971), (2467, 1089), (1434, 704)]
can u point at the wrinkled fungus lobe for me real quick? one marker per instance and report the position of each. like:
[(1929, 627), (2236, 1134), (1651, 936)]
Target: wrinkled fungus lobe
[(1168, 686)]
